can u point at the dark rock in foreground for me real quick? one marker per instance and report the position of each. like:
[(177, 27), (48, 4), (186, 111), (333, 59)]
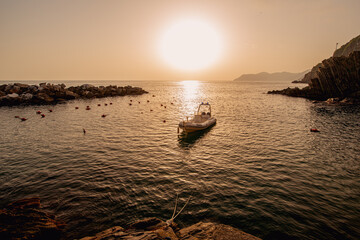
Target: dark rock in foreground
[(24, 219), (155, 229), (24, 94)]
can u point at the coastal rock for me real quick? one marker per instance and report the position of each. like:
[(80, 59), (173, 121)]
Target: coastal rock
[(43, 98), (155, 229), (47, 93), (336, 77), (214, 231), (24, 219)]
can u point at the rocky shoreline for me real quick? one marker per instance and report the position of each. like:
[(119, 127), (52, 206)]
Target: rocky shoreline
[(46, 93), (25, 219), (334, 80)]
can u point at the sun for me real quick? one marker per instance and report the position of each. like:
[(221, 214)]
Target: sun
[(190, 44)]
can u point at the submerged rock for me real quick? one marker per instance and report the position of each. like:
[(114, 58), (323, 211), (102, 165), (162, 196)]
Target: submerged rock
[(24, 219)]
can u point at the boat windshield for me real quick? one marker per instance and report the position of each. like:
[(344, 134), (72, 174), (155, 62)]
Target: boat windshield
[(204, 109)]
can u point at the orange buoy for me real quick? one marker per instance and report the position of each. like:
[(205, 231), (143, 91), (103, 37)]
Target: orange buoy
[(42, 115), (38, 112), (103, 115), (76, 107), (161, 105), (314, 130), (111, 103), (23, 119), (99, 104), (88, 108), (151, 110), (130, 104), (164, 121), (105, 104), (148, 101), (164, 106), (50, 110), (130, 100)]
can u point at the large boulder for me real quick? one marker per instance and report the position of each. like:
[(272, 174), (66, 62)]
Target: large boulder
[(155, 229), (43, 98)]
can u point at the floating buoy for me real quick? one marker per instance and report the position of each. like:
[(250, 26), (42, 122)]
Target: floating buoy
[(142, 113), (153, 95), (172, 103), (103, 115), (42, 115), (99, 104), (139, 102), (161, 105), (151, 110), (23, 119), (111, 103), (314, 130), (148, 101), (164, 106), (130, 100), (105, 104), (88, 108), (84, 131), (38, 112), (76, 107), (17, 116), (164, 121), (130, 104), (50, 110)]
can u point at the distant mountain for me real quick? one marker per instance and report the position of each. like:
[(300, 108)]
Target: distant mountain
[(278, 76)]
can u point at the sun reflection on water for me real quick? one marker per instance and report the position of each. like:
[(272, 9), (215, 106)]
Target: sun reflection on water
[(191, 95)]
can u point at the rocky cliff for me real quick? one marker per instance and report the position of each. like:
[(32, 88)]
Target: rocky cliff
[(344, 51), (336, 77)]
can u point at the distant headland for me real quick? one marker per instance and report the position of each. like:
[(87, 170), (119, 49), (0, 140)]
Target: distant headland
[(278, 76), (46, 93), (336, 79)]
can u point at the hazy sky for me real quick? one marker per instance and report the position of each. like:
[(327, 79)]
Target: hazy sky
[(104, 39)]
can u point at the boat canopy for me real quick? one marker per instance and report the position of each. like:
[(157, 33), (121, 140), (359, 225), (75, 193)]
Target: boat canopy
[(204, 108)]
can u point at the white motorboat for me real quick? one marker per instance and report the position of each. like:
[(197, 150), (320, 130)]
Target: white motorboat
[(202, 119)]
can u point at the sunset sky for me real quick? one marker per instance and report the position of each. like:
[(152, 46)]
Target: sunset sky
[(138, 39)]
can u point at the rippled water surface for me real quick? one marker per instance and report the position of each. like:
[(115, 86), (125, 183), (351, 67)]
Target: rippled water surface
[(259, 168)]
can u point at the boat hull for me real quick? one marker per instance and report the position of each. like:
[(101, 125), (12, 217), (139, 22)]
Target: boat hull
[(193, 127)]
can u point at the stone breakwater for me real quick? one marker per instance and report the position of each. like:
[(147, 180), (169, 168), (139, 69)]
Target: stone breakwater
[(46, 93)]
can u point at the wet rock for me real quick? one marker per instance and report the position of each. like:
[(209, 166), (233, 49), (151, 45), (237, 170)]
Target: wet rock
[(153, 228), (214, 231), (43, 98), (24, 219)]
